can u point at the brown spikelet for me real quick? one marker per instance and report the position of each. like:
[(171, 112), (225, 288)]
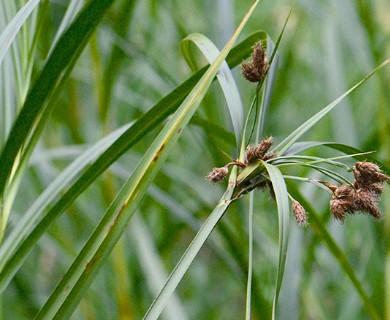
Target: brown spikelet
[(348, 200), (217, 174), (250, 154), (250, 73), (259, 59), (342, 202), (257, 69), (369, 176), (260, 151), (300, 214), (366, 201)]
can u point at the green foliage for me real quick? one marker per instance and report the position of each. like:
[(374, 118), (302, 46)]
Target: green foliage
[(106, 135)]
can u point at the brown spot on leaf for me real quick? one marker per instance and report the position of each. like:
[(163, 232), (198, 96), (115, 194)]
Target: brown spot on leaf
[(159, 153)]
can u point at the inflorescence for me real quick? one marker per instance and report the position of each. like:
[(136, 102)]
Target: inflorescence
[(360, 196), (256, 70)]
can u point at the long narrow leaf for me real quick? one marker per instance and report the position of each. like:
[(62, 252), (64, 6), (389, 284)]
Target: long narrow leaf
[(67, 295), (33, 214), (282, 202), (68, 47), (271, 74), (130, 137), (354, 152), (268, 88), (225, 78), (8, 35), (189, 255), (295, 135), (318, 226)]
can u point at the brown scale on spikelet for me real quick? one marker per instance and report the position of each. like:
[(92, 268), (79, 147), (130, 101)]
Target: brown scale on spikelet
[(217, 174), (260, 151), (369, 176), (366, 201), (348, 200), (300, 214), (257, 69), (342, 201)]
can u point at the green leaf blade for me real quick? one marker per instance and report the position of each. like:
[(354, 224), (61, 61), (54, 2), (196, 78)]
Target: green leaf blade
[(225, 78), (67, 295), (301, 130), (281, 195), (129, 138), (65, 53)]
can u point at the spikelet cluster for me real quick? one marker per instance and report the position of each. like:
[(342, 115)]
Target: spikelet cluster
[(256, 70), (363, 196)]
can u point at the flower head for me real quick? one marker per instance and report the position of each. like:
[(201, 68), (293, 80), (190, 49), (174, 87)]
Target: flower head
[(260, 151), (342, 202), (300, 214), (217, 174), (369, 176), (257, 70), (348, 200)]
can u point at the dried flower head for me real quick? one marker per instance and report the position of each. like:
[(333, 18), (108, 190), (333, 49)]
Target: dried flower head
[(260, 151), (369, 176), (342, 202), (257, 70), (346, 200), (300, 214), (217, 174), (366, 201)]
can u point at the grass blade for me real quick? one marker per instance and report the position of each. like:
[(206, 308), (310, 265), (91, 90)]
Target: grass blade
[(282, 202), (189, 255), (8, 35), (250, 259), (68, 49), (225, 78), (354, 152), (130, 137), (295, 135), (68, 293), (335, 250), (34, 213), (268, 88)]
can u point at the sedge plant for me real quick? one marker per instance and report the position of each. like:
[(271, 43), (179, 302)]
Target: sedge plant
[(100, 261)]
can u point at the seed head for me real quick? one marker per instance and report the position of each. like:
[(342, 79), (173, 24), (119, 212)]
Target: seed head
[(347, 200), (257, 69), (260, 151), (369, 176), (300, 214), (342, 202), (343, 191), (366, 201), (217, 174), (251, 154)]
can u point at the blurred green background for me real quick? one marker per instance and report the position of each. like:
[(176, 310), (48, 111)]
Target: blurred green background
[(131, 62)]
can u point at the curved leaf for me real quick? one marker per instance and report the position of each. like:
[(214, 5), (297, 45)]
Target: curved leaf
[(354, 152), (225, 78), (268, 87), (68, 293), (130, 137)]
